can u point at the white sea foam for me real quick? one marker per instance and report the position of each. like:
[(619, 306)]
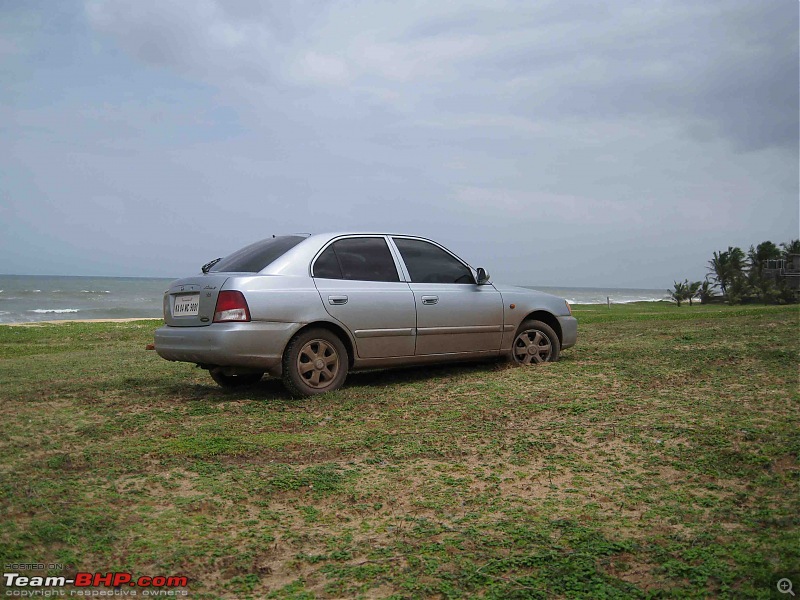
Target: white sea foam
[(614, 301), (665, 299), (42, 311)]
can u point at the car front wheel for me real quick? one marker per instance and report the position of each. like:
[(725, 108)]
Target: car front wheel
[(315, 362), (535, 343)]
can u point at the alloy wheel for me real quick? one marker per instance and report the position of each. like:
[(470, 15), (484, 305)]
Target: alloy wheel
[(318, 363), (532, 346)]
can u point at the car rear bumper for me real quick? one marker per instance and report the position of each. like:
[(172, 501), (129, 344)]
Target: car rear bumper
[(256, 344), (569, 331)]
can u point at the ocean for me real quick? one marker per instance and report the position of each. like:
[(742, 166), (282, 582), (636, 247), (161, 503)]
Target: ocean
[(27, 298)]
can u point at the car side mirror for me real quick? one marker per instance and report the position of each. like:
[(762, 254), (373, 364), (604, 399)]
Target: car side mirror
[(483, 276)]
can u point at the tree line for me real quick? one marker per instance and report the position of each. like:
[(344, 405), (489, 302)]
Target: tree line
[(741, 277)]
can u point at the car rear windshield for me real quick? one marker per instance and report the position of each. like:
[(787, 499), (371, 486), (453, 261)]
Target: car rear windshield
[(253, 258)]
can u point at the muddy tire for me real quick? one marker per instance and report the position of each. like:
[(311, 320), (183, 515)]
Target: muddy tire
[(315, 362)]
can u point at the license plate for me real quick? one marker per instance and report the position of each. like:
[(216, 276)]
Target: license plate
[(186, 305)]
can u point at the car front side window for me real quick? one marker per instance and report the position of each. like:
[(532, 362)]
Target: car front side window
[(359, 259), (427, 263)]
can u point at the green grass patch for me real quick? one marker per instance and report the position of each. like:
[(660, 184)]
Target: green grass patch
[(659, 458)]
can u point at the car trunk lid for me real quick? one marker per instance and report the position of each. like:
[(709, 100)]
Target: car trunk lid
[(190, 302)]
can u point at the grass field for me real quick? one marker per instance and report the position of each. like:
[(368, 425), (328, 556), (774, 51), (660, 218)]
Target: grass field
[(658, 458)]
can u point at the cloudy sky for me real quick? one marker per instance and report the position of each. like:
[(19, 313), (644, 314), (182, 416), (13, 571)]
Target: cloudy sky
[(555, 143)]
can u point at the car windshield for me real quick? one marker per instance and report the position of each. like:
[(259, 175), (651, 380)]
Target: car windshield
[(253, 258)]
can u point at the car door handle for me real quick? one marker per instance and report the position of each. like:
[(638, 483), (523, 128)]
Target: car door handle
[(337, 299), (430, 299)]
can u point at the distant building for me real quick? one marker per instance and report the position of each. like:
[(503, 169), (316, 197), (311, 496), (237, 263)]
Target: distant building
[(782, 269)]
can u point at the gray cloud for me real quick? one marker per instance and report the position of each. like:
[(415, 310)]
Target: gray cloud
[(627, 140), (722, 69)]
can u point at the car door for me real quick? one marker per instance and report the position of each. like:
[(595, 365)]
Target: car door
[(454, 314), (360, 286)]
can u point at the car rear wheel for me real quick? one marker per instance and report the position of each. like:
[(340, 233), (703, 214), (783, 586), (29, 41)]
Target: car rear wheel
[(535, 343), (235, 381), (315, 362)]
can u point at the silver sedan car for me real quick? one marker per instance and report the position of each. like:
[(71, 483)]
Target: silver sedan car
[(309, 309)]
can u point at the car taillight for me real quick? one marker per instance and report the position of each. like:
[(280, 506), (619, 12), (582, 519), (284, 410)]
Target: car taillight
[(231, 306)]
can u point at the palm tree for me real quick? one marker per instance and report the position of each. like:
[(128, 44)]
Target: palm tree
[(737, 259), (678, 294), (718, 267), (788, 248), (706, 292), (691, 290), (727, 267)]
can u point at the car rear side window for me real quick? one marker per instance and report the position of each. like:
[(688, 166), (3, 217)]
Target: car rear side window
[(327, 265), (427, 263), (360, 259), (253, 258)]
